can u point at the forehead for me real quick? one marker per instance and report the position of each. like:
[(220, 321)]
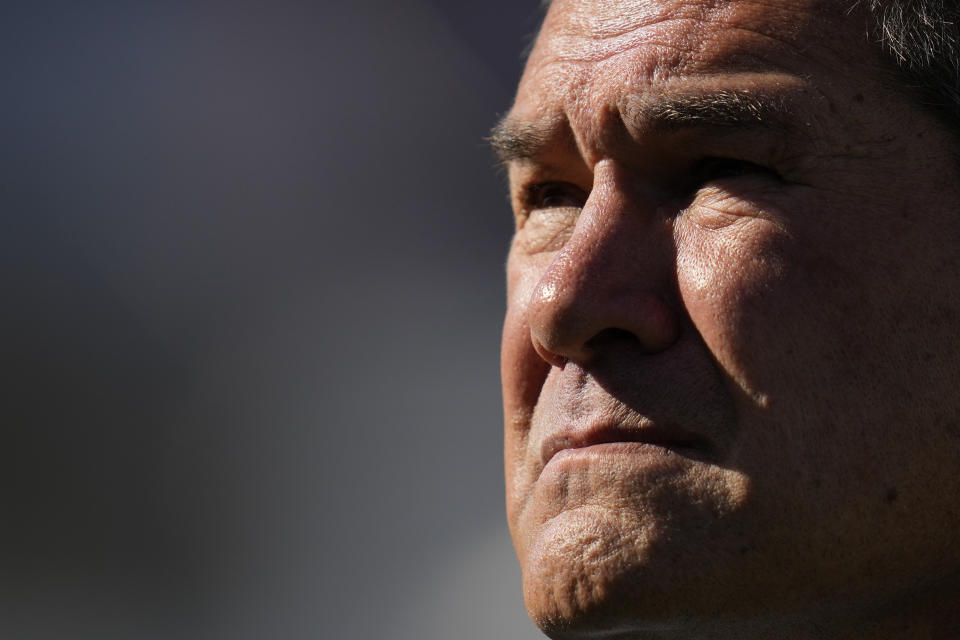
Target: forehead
[(595, 56)]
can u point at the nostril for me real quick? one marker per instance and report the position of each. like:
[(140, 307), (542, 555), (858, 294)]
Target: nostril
[(612, 338)]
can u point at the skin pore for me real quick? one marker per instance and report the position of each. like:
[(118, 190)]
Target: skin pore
[(729, 356)]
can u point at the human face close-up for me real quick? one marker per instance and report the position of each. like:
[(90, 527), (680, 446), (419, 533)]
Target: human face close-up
[(729, 357)]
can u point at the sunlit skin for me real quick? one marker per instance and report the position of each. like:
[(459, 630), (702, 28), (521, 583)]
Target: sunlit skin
[(730, 358)]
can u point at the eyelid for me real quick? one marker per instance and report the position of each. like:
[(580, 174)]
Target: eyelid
[(712, 168), (535, 196), (559, 194)]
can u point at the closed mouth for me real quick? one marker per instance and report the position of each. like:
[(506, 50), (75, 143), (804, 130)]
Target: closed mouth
[(679, 441)]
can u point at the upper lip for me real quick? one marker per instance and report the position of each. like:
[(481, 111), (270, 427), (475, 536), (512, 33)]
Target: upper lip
[(668, 437)]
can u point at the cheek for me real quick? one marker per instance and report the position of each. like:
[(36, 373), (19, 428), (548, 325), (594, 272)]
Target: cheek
[(523, 373), (727, 277), (524, 272), (522, 370)]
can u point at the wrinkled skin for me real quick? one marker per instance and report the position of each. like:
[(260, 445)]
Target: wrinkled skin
[(763, 315)]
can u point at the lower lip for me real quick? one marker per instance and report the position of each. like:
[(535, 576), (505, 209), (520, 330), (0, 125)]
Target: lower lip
[(607, 453)]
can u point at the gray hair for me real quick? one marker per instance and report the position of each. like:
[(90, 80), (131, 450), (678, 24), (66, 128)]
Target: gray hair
[(921, 39)]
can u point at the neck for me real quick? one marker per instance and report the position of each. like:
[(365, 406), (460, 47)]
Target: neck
[(930, 613)]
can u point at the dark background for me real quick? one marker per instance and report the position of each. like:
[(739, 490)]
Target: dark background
[(252, 263)]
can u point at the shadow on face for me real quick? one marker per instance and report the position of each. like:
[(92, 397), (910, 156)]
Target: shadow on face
[(728, 373)]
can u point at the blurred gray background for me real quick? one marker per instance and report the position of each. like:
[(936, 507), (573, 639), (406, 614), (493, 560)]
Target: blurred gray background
[(252, 263)]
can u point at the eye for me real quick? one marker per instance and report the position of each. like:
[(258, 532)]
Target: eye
[(710, 169), (553, 195)]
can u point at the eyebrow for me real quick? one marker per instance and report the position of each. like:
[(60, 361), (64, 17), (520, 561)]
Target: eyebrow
[(720, 109), (512, 140), (726, 109)]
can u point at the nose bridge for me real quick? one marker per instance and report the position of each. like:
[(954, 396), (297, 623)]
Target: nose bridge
[(592, 250), (606, 277), (612, 219)]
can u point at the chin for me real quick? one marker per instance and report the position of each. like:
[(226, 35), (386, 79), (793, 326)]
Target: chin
[(652, 572), (607, 552), (583, 577), (590, 606)]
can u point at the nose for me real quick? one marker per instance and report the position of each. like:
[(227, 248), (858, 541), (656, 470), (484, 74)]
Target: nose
[(611, 281)]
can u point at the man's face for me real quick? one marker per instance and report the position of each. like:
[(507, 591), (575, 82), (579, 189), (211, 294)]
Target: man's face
[(730, 363)]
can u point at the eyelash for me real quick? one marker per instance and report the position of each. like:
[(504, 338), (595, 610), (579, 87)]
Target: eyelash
[(717, 168), (538, 196), (555, 195)]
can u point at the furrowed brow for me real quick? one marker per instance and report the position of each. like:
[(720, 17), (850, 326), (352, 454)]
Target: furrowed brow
[(725, 109)]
